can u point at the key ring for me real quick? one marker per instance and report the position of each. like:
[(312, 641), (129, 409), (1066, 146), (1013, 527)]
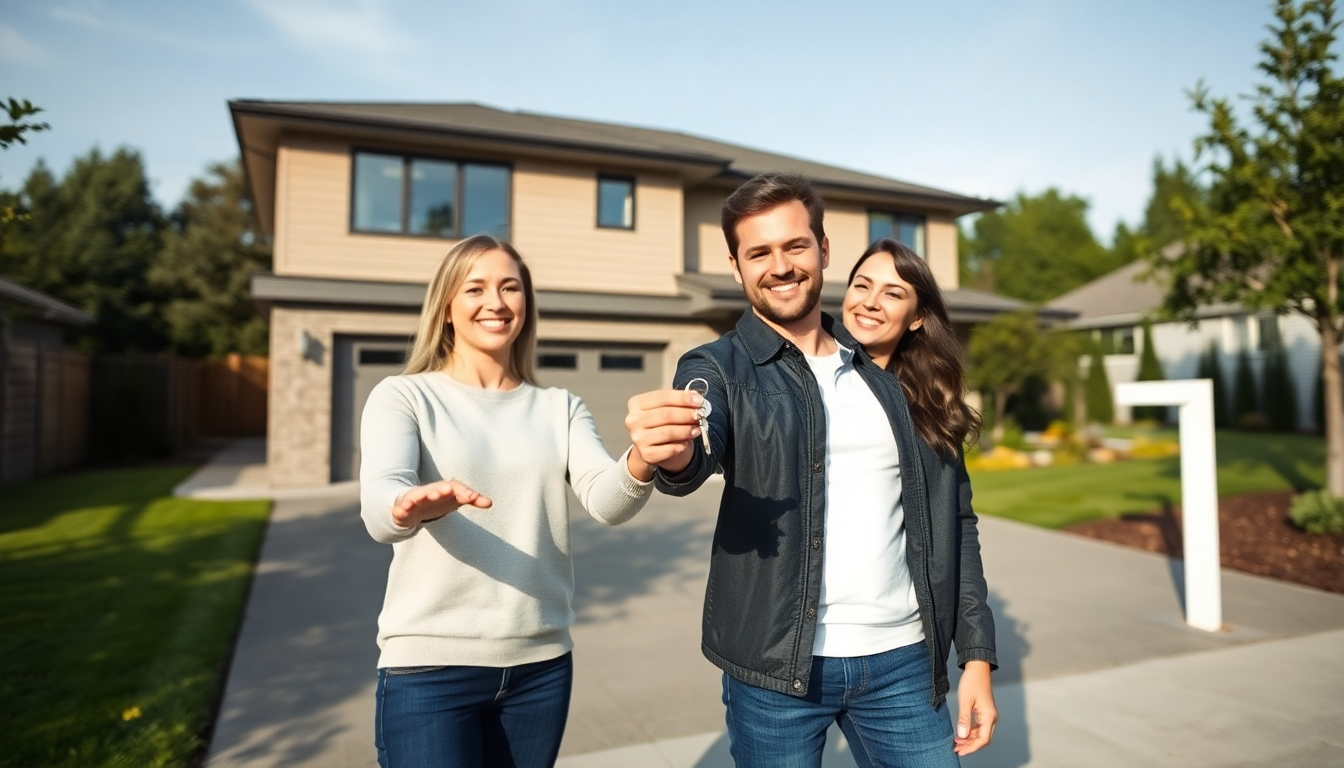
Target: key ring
[(705, 407)]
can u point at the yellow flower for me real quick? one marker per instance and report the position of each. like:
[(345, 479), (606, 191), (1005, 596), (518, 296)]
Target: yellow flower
[(131, 713)]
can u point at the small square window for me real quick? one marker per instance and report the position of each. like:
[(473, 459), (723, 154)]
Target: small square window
[(615, 202)]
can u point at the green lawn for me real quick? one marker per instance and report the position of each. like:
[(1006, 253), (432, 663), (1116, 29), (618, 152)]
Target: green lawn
[(1054, 497), (119, 606)]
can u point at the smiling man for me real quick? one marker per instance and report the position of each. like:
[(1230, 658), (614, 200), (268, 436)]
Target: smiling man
[(828, 597)]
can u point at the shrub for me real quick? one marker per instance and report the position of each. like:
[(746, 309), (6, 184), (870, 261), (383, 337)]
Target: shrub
[(1013, 437), (1318, 512), (1245, 395), (1211, 368), (1150, 369), (1097, 391), (1280, 394)]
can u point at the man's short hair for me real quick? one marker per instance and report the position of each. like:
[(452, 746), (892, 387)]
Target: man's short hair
[(765, 192)]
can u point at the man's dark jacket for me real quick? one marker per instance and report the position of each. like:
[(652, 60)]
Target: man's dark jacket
[(768, 433)]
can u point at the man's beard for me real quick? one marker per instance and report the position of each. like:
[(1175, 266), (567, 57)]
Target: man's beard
[(785, 315)]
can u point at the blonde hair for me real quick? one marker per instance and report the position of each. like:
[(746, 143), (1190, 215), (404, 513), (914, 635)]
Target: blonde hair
[(433, 346)]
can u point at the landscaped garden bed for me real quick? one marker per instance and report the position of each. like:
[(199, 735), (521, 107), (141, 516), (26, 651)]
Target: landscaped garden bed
[(1254, 532)]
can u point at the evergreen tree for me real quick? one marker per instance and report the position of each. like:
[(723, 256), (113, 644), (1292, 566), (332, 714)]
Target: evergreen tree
[(1100, 403), (1210, 367), (1150, 369), (1280, 395), (204, 269), (1245, 393), (89, 241)]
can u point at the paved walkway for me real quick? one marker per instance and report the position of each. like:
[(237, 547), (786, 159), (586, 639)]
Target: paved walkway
[(1097, 668)]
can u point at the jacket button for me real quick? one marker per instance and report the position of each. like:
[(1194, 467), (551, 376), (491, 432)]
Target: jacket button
[(816, 467), (811, 612), (816, 543), (797, 685)]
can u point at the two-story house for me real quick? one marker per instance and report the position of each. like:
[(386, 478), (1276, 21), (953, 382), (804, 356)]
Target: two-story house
[(619, 224)]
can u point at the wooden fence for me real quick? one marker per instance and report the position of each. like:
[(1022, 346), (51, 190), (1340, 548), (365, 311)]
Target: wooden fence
[(44, 408), (62, 409)]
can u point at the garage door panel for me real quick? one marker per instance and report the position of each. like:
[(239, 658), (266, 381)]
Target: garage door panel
[(606, 377)]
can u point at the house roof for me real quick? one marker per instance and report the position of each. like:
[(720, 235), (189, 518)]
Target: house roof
[(1121, 297), (44, 307), (699, 159)]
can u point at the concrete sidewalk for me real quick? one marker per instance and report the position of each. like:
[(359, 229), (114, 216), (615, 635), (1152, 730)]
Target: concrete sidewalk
[(1096, 667)]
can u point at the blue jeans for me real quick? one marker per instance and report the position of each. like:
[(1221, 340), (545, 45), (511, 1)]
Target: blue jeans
[(473, 716), (881, 703)]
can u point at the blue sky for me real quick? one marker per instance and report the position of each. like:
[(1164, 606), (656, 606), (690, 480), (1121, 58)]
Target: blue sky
[(981, 97)]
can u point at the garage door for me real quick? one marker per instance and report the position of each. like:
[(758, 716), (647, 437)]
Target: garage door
[(605, 376), (358, 364)]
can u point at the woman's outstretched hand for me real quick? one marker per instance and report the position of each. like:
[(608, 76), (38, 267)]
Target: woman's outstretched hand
[(430, 502)]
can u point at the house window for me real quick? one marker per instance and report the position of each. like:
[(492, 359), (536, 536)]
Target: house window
[(615, 202), (1270, 341), (1116, 341), (399, 194), (905, 228)]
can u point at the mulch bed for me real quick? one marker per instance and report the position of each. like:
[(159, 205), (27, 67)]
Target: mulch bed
[(1255, 534)]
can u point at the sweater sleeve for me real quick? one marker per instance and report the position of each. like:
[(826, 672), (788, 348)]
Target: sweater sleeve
[(389, 448), (605, 487)]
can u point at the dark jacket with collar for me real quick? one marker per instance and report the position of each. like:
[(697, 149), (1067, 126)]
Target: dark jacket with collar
[(767, 431)]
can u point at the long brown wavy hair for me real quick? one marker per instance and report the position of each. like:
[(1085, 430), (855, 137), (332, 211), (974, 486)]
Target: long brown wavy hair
[(928, 362)]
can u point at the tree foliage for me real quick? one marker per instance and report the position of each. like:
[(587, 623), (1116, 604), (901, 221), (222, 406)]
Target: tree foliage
[(1270, 232), (14, 131), (208, 257), (1150, 369), (1280, 394), (1097, 389), (1005, 353), (1037, 248), (1211, 368), (1245, 392), (90, 241)]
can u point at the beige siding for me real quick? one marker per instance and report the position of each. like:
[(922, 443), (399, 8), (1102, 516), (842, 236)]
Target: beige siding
[(940, 244), (298, 444), (555, 227), (706, 250), (847, 231), (313, 237), (554, 222)]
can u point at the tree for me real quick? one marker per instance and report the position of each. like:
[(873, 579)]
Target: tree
[(1280, 394), (208, 257), (89, 240), (1173, 190), (1271, 234), (1150, 369), (1097, 394), (1245, 393), (11, 132), (1037, 248), (1211, 368), (1004, 354)]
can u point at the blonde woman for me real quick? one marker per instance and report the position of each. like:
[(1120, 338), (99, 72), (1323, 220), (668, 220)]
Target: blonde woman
[(465, 463)]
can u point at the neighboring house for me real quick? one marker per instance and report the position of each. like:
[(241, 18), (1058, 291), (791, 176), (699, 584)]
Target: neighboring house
[(1113, 307), (619, 224), (44, 390)]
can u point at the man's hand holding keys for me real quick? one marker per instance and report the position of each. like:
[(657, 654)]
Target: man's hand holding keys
[(663, 425)]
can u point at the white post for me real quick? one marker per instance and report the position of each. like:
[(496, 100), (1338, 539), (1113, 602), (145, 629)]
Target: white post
[(1199, 490)]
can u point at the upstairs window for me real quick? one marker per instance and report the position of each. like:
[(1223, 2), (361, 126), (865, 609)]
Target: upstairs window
[(615, 202), (905, 228), (399, 194)]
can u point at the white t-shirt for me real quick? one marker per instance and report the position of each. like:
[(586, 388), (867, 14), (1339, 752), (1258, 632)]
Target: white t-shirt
[(868, 600)]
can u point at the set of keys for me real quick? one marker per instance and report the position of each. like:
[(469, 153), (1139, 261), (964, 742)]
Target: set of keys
[(703, 411)]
